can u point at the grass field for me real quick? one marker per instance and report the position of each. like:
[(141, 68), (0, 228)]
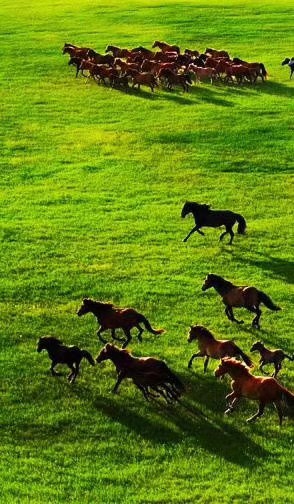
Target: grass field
[(92, 185)]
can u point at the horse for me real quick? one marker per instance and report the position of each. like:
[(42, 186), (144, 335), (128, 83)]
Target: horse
[(145, 79), (77, 52), (267, 356), (290, 63), (164, 47), (203, 73), (259, 68), (239, 296), (174, 79), (203, 216), (111, 317), (265, 390), (74, 61), (210, 347), (239, 72), (147, 373), (118, 52), (214, 53), (63, 354)]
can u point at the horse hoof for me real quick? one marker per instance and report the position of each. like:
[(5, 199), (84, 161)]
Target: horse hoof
[(228, 411)]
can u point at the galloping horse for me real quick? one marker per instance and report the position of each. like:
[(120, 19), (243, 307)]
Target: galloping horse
[(63, 354), (290, 63), (111, 317), (146, 372), (239, 296), (203, 216), (164, 47), (118, 52), (259, 68), (267, 356), (209, 347), (264, 390)]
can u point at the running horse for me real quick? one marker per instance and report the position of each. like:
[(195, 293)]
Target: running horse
[(265, 390), (148, 374), (290, 63), (64, 354), (212, 348), (268, 356), (239, 296), (164, 47), (203, 216), (111, 317)]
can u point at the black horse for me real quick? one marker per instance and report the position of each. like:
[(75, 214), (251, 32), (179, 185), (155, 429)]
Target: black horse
[(213, 218), (62, 354), (290, 63)]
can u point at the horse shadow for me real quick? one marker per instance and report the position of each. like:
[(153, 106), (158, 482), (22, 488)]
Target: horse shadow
[(282, 269), (162, 423)]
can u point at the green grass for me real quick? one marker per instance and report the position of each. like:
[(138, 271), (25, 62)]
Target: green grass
[(92, 185)]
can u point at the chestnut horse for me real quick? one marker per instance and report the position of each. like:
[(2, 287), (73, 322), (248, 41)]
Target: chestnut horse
[(265, 390), (267, 356), (146, 372), (203, 216), (111, 317), (63, 354), (239, 296), (164, 47), (209, 347)]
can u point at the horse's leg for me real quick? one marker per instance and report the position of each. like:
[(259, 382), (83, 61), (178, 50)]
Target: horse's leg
[(231, 232), (279, 409), (206, 363), (53, 372), (193, 230), (222, 235), (128, 336), (100, 330), (140, 332), (255, 321), (120, 378), (258, 414), (198, 354), (230, 315), (231, 404)]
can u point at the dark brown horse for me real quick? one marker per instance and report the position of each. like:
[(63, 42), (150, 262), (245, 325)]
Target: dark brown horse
[(209, 347), (239, 296), (267, 356), (264, 390), (144, 79), (148, 374), (63, 354), (111, 317), (203, 216)]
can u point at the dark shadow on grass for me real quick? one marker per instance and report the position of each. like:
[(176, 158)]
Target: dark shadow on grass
[(283, 269)]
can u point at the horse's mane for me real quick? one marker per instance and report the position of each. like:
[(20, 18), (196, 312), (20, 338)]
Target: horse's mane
[(109, 306), (236, 364), (219, 278), (51, 340), (204, 332), (197, 206)]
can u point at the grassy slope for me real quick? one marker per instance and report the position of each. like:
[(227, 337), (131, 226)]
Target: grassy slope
[(92, 184)]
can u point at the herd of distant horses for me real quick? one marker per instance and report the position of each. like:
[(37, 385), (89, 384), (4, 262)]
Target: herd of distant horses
[(152, 376), (163, 65), (166, 66)]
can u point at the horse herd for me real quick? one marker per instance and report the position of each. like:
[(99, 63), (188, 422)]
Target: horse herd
[(152, 376), (168, 67)]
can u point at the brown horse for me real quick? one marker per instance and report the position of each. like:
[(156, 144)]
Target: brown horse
[(63, 354), (209, 347), (239, 296), (164, 47), (111, 317), (147, 373), (264, 390), (144, 79), (267, 356)]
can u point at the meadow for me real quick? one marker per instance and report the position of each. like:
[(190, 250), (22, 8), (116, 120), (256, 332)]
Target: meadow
[(93, 181)]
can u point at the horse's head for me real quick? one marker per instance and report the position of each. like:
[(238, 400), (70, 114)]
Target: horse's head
[(208, 282), (46, 342), (108, 49), (186, 209), (257, 346), (106, 353), (85, 307), (155, 44), (199, 332), (222, 369), (286, 61)]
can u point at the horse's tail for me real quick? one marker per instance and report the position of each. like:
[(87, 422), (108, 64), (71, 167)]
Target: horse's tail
[(245, 357), (288, 399), (148, 325), (266, 300), (291, 358), (88, 356), (263, 70), (241, 224)]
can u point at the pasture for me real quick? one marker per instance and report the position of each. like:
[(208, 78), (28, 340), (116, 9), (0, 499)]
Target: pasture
[(93, 181)]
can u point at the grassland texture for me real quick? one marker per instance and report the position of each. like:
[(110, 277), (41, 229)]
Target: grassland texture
[(92, 185)]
